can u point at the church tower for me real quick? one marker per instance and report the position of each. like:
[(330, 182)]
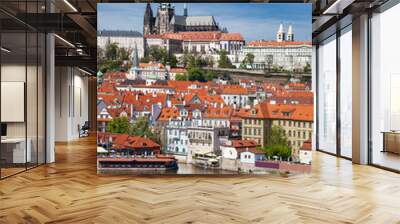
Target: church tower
[(280, 36), (134, 71), (148, 20), (165, 13), (135, 57), (290, 34), (185, 10)]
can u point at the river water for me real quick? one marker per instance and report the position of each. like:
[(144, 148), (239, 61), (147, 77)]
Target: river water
[(184, 169)]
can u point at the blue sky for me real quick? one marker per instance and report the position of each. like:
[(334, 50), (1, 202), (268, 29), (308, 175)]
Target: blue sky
[(255, 21)]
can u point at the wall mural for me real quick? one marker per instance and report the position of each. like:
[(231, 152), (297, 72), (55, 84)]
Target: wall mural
[(216, 88)]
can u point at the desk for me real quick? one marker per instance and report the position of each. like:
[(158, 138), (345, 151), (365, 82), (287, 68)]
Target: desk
[(391, 141), (13, 150)]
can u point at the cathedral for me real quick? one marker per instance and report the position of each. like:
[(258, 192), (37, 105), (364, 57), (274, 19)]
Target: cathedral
[(167, 22)]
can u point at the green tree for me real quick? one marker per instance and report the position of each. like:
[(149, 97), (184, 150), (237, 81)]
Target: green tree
[(307, 68), (247, 60), (282, 151), (184, 60), (123, 54), (196, 74), (158, 54), (209, 61), (142, 128), (276, 136), (210, 75), (181, 77), (277, 143), (145, 59), (155, 53), (250, 58), (109, 65), (172, 61), (224, 61), (119, 125), (191, 61), (112, 57), (111, 50)]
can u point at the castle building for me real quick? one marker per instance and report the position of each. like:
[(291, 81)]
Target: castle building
[(284, 52), (202, 42), (166, 21)]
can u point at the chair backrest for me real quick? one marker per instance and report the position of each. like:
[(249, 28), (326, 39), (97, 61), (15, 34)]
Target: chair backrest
[(86, 125)]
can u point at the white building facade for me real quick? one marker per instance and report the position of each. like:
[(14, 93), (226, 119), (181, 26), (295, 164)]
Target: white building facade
[(237, 100), (283, 53), (204, 140), (124, 39), (177, 138)]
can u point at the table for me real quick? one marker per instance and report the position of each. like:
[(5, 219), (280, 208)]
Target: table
[(13, 150)]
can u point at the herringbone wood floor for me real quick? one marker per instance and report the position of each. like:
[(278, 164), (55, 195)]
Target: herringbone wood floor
[(70, 191)]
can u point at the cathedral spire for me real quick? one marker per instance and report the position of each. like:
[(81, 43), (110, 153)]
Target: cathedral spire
[(290, 34), (135, 57), (280, 35), (280, 28), (148, 20), (185, 10)]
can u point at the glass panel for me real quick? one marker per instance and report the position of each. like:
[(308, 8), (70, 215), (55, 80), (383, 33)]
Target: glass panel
[(41, 99), (23, 82), (31, 98), (13, 80), (346, 92), (327, 95), (385, 83)]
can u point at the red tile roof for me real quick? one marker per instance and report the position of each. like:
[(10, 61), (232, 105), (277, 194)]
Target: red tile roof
[(299, 112), (244, 143), (307, 145), (138, 142), (168, 113), (177, 70), (151, 64), (218, 113), (120, 141), (114, 75), (198, 36), (234, 90), (263, 43), (232, 36), (106, 88)]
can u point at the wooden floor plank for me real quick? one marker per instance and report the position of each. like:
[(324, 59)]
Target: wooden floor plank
[(70, 191)]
